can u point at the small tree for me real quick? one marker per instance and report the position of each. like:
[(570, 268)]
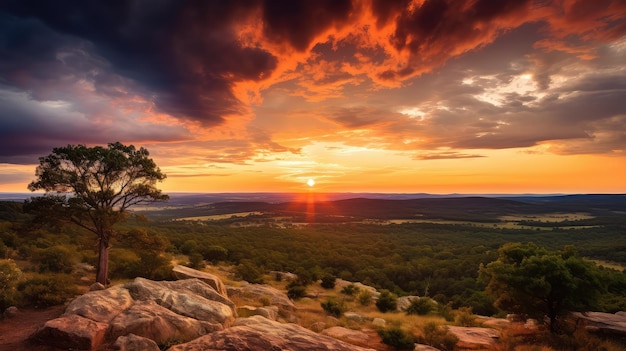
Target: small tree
[(387, 301), (93, 187), (533, 281), (328, 281)]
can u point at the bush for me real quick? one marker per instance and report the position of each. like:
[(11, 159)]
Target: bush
[(57, 259), (364, 298), (465, 317), (196, 261), (387, 301), (421, 306), (247, 271), (350, 290), (47, 290), (295, 290), (9, 276), (397, 338), (438, 336), (328, 281), (333, 307)]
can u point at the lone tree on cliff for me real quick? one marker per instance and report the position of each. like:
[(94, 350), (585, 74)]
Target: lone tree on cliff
[(93, 187)]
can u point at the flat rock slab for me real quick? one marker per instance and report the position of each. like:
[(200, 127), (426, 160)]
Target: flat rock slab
[(607, 323), (473, 338), (72, 332), (182, 272)]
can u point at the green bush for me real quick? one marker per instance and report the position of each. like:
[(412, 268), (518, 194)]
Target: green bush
[(365, 298), (47, 290), (328, 281), (333, 307), (465, 317), (295, 290), (437, 336), (56, 259), (350, 290), (421, 306), (386, 301), (9, 277), (397, 338), (196, 260), (247, 271)]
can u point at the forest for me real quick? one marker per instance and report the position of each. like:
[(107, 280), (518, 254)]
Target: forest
[(439, 260)]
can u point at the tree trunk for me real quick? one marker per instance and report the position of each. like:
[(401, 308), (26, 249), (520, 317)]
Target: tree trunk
[(102, 275)]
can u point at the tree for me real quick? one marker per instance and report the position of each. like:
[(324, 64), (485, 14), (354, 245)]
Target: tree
[(533, 281), (93, 187), (386, 301)]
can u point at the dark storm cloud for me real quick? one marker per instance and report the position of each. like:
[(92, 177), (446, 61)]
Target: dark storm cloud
[(180, 53)]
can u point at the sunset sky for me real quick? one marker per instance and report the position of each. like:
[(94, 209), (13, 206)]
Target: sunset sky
[(437, 96)]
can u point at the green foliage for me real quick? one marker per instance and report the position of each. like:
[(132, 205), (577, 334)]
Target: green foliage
[(438, 336), (56, 259), (296, 290), (333, 307), (397, 338), (531, 280), (9, 278), (328, 281), (196, 261), (365, 298), (248, 271), (421, 306), (465, 317), (214, 253), (350, 290), (47, 290), (386, 301)]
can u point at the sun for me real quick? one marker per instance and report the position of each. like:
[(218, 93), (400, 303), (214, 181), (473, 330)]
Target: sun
[(310, 182)]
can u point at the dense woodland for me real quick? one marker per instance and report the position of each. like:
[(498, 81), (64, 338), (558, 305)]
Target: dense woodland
[(425, 259)]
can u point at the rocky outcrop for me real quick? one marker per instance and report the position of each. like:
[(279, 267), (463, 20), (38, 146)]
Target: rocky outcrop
[(132, 342), (260, 334), (604, 323), (160, 311), (404, 302), (182, 272), (348, 335), (474, 338), (340, 283), (269, 312), (261, 292)]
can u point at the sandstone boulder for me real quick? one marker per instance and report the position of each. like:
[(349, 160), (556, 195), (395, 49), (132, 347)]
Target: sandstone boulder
[(100, 305), (257, 292), (404, 302), (182, 272), (71, 332), (132, 342), (420, 347), (261, 334), (155, 322), (355, 337), (604, 323), (474, 338), (340, 284), (183, 302), (269, 312)]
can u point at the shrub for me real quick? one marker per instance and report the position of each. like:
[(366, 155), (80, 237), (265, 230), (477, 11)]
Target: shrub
[(196, 261), (445, 311), (57, 259), (365, 298), (438, 336), (295, 290), (328, 281), (247, 271), (333, 307), (397, 338), (386, 301), (421, 306), (350, 290), (9, 276), (47, 290), (465, 317)]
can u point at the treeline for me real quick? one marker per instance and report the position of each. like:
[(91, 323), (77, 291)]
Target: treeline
[(439, 261)]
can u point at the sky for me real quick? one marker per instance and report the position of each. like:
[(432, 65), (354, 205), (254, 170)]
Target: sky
[(399, 96)]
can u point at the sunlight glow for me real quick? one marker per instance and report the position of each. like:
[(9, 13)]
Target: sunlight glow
[(310, 182)]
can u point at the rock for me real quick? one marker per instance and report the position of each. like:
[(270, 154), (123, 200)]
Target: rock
[(269, 312), (420, 347), (353, 316), (132, 342), (493, 322), (182, 301), (155, 322), (284, 275), (197, 286), (101, 305), (182, 272), (474, 338), (10, 312), (96, 286), (261, 334), (379, 322), (404, 302), (256, 292), (604, 323), (340, 284), (347, 335), (71, 332), (318, 326)]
